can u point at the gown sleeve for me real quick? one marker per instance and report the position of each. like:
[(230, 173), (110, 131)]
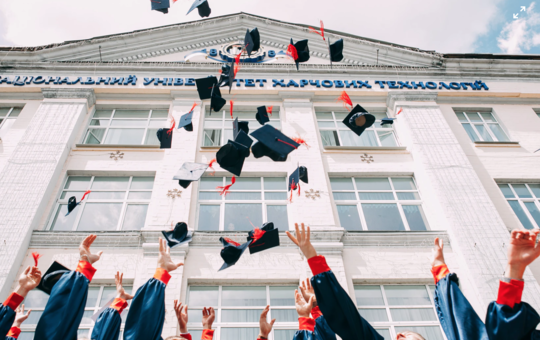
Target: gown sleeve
[(13, 333), (64, 310), (322, 330), (108, 324), (456, 315), (337, 307), (147, 312), (7, 313), (509, 317), (305, 329)]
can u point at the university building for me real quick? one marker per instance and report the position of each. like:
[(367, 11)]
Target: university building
[(458, 163)]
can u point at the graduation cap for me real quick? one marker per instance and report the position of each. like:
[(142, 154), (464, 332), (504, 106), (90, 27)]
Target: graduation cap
[(180, 235), (300, 174), (272, 143), (241, 137), (186, 120), (165, 138), (216, 102), (358, 120), (385, 121), (160, 6), (252, 41), (190, 172), (72, 202), (225, 73), (240, 126), (336, 50), (231, 157), (231, 252), (262, 115), (51, 277), (202, 6), (205, 86), (265, 238), (299, 51)]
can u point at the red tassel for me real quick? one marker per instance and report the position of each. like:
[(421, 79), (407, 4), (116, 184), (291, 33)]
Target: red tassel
[(237, 63), (172, 127), (86, 193), (210, 165), (299, 189), (36, 257), (231, 241), (269, 110), (321, 33), (293, 188), (284, 142), (345, 99), (193, 107), (400, 109), (225, 189), (257, 234), (232, 104), (292, 52), (300, 140)]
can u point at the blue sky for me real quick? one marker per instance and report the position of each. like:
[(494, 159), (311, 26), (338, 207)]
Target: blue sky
[(448, 26)]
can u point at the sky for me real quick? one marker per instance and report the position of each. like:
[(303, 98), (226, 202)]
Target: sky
[(447, 26)]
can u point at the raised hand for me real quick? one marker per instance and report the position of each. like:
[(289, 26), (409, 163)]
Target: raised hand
[(208, 317), (121, 292), (522, 251), (20, 317), (181, 315), (84, 250), (303, 308), (437, 253), (28, 280), (302, 241), (264, 327), (308, 292), (164, 259)]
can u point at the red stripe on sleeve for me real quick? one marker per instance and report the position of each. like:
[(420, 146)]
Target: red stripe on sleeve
[(306, 324), (439, 272), (318, 265), (162, 275), (316, 312), (14, 332), (119, 304), (13, 301), (510, 293), (207, 334), (186, 336), (86, 269)]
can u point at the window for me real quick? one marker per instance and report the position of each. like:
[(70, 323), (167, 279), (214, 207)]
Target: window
[(8, 115), (537, 111), (98, 296), (482, 126), (524, 199), (238, 310), (335, 133), (251, 201), (129, 127), (386, 204), (396, 308), (218, 127), (115, 203)]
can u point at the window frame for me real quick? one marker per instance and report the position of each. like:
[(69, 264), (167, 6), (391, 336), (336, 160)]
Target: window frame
[(484, 123), (125, 201), (521, 201), (358, 202), (8, 116)]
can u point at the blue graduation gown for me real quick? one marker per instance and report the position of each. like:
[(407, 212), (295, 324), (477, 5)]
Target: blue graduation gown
[(108, 324), (7, 314), (304, 335), (305, 329), (337, 307), (458, 319), (322, 330), (64, 310), (147, 312)]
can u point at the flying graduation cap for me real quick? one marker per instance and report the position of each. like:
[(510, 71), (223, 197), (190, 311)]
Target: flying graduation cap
[(225, 74), (190, 172), (358, 120), (216, 101), (208, 89), (241, 136), (231, 252), (51, 277), (299, 51), (186, 121), (300, 174), (72, 202), (231, 156), (202, 6), (252, 41), (265, 238), (388, 121), (178, 236), (262, 114), (272, 143), (336, 50), (165, 138), (160, 6), (240, 126)]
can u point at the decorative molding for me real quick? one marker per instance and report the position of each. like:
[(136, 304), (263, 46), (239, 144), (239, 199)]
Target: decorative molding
[(72, 239), (410, 96), (174, 193), (367, 158), (394, 238), (116, 155), (313, 194), (70, 93)]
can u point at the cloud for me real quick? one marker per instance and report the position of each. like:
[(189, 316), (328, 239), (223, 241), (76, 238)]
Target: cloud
[(522, 34), (445, 26)]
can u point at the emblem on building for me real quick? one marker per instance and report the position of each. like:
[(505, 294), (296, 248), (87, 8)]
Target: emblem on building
[(116, 155), (367, 158)]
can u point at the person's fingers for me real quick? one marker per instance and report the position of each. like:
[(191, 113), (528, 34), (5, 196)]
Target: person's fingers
[(160, 245), (175, 305), (179, 264), (27, 270), (297, 232), (308, 235), (29, 311), (212, 312), (519, 235), (303, 232), (303, 286), (513, 234), (441, 243), (99, 253), (185, 309), (22, 308), (272, 323), (296, 297), (310, 302), (436, 242), (264, 313), (167, 249), (292, 238)]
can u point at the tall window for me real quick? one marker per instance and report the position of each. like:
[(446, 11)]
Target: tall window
[(525, 201), (368, 203), (8, 115), (218, 128), (98, 296), (130, 127), (482, 126), (335, 133), (252, 200), (392, 309), (115, 203), (238, 310)]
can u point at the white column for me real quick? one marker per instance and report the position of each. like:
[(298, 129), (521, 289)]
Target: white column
[(27, 180)]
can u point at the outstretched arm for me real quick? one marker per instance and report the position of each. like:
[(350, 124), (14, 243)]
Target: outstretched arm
[(438, 265), (322, 329), (265, 327), (19, 319)]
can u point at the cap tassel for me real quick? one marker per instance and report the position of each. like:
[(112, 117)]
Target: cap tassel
[(237, 63), (232, 105), (321, 33), (231, 241), (86, 193), (210, 165), (257, 234), (293, 188), (193, 107), (284, 142), (36, 257), (400, 109), (172, 127), (269, 110), (225, 189), (300, 140), (345, 99), (292, 52)]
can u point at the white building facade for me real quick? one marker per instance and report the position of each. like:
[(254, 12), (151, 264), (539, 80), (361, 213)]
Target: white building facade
[(458, 163)]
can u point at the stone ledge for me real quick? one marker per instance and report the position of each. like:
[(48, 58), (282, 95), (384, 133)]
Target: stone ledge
[(116, 146), (384, 149), (394, 238), (511, 144), (70, 93)]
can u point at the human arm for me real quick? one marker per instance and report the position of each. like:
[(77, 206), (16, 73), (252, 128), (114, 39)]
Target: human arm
[(438, 266), (265, 327), (322, 329)]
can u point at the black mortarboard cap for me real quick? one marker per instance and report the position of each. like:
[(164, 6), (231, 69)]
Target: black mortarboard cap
[(165, 138), (262, 115), (274, 140), (217, 102), (178, 236), (361, 117), (204, 87), (231, 253), (336, 51), (190, 172), (202, 6), (51, 277), (385, 121), (224, 77), (160, 6), (260, 150), (243, 139), (252, 41), (240, 126), (302, 50), (186, 121), (300, 174), (72, 203), (269, 239), (231, 157)]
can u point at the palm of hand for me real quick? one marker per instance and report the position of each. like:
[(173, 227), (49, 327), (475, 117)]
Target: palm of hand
[(165, 262), (30, 279), (522, 252)]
